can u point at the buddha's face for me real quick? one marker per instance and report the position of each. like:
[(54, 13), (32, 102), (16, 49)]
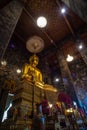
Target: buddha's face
[(35, 62)]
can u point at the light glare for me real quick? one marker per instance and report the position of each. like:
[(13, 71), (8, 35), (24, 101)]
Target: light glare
[(10, 94), (5, 113)]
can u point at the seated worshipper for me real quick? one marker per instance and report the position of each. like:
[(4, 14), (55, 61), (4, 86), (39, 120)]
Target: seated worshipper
[(32, 73)]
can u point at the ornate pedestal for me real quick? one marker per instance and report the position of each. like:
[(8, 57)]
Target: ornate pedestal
[(25, 99), (25, 93)]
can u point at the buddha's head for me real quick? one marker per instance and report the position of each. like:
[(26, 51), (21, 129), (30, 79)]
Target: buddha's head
[(34, 60)]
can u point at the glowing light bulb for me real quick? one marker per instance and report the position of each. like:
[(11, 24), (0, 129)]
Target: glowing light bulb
[(3, 63), (80, 46), (57, 79), (50, 105), (69, 58), (18, 71), (63, 10), (41, 22)]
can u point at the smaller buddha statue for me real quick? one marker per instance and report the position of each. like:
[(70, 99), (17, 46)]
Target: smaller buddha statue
[(32, 73)]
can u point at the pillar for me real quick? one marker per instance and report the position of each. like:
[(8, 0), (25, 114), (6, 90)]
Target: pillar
[(83, 53), (66, 77), (9, 16)]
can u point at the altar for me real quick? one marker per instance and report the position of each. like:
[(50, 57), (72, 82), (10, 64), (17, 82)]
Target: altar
[(29, 93)]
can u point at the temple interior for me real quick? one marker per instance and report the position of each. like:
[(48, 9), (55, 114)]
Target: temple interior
[(43, 65)]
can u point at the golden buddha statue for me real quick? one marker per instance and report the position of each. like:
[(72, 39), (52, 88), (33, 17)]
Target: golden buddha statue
[(34, 75)]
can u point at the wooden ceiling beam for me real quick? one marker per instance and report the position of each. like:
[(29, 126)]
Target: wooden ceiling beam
[(66, 19)]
